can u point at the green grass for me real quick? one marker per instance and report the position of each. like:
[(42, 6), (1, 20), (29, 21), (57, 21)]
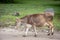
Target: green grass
[(7, 20), (56, 23), (7, 11)]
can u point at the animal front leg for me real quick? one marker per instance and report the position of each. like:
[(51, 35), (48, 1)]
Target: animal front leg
[(52, 30), (51, 27), (49, 30)]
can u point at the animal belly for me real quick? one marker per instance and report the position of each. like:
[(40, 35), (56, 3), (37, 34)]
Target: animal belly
[(40, 24)]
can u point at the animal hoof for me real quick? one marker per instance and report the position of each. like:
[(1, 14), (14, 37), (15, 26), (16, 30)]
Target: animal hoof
[(48, 34), (24, 35), (35, 35), (52, 33)]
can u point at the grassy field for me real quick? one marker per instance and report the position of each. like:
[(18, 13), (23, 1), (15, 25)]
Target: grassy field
[(7, 11)]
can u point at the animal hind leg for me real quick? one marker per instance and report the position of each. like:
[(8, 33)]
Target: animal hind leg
[(17, 26), (35, 31), (27, 29)]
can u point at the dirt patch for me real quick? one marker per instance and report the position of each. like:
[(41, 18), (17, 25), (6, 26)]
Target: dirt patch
[(12, 34)]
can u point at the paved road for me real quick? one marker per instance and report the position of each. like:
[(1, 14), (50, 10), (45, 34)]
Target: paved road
[(17, 35)]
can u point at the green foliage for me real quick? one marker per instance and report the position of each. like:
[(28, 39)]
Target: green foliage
[(26, 7), (56, 23), (7, 20)]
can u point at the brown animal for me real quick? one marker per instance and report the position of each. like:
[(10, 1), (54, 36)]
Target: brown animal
[(38, 20)]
